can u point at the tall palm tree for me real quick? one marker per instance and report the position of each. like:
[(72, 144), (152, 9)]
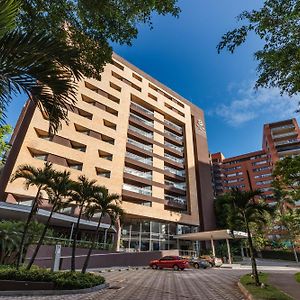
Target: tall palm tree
[(83, 194), (36, 64), (60, 187), (104, 204), (245, 208), (40, 178)]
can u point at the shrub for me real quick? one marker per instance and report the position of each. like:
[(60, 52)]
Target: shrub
[(61, 280)]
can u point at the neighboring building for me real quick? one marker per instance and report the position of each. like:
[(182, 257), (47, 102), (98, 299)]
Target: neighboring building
[(139, 139), (254, 170)]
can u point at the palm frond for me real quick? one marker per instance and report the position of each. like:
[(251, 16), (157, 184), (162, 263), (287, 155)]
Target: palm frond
[(8, 14)]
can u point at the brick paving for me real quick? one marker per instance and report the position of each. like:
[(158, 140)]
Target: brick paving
[(211, 284)]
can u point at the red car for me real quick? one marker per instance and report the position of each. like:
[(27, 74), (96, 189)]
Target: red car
[(170, 262)]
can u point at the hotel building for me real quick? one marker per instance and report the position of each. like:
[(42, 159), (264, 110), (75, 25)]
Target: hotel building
[(254, 170), (139, 139)]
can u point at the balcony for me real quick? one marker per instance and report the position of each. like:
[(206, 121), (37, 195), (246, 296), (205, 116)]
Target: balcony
[(171, 124), (293, 151), (142, 120), (141, 159), (136, 189), (284, 127), (147, 175), (173, 158), (177, 148), (144, 109), (180, 186), (140, 145), (173, 135), (175, 172), (288, 134), (287, 142), (140, 131), (177, 201)]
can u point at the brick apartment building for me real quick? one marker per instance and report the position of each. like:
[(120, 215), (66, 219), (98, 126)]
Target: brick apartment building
[(139, 139), (254, 170)]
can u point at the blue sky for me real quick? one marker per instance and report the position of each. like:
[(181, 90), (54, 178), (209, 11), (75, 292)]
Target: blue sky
[(181, 53)]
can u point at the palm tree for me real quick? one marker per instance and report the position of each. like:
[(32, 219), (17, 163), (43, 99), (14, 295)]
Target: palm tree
[(60, 187), (245, 208), (39, 177), (104, 204), (37, 64), (83, 194)]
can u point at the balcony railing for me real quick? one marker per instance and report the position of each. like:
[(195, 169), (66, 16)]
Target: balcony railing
[(283, 151), (282, 127), (175, 136), (181, 185), (142, 132), (147, 111), (177, 200), (141, 159), (276, 136), (287, 142), (173, 158), (136, 189), (171, 124), (175, 172), (138, 173), (140, 145), (140, 119), (177, 148)]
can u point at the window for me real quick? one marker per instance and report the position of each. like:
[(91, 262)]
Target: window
[(115, 87), (261, 169), (152, 97), (264, 182), (137, 77), (109, 124), (263, 175), (174, 109), (114, 74), (105, 155), (259, 163), (43, 134), (119, 66), (74, 165), (101, 92), (78, 146), (102, 172)]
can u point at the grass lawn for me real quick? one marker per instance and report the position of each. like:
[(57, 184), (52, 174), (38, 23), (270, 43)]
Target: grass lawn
[(297, 277), (269, 292)]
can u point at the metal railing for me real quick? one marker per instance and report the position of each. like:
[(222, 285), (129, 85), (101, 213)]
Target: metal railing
[(282, 127), (175, 172), (140, 119), (173, 135), (177, 148), (144, 160), (176, 159), (275, 136), (142, 132), (181, 186), (177, 200), (287, 142), (147, 111), (173, 125), (140, 145), (138, 173), (136, 189)]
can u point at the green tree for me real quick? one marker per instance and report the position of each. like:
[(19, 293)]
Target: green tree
[(104, 204), (91, 25), (83, 194), (5, 130), (38, 64), (40, 178), (276, 23), (244, 208), (59, 187)]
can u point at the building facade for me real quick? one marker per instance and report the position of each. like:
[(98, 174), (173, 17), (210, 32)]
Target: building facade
[(254, 170), (139, 139)]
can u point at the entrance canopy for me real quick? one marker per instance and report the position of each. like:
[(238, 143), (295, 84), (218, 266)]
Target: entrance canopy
[(223, 234)]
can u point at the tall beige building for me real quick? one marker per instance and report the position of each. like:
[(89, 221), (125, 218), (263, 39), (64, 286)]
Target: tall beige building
[(139, 139)]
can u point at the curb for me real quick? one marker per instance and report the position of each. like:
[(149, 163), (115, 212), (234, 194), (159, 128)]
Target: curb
[(54, 292), (121, 269), (245, 292)]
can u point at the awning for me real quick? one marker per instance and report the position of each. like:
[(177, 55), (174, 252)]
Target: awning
[(10, 211), (212, 235)]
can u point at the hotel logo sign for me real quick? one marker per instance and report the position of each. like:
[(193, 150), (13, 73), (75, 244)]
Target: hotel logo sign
[(200, 128)]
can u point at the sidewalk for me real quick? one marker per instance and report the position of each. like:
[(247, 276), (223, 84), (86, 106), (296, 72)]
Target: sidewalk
[(286, 283)]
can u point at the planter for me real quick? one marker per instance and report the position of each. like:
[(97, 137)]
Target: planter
[(14, 285)]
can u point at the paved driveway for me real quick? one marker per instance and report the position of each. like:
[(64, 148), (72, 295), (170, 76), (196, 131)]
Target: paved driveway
[(149, 284)]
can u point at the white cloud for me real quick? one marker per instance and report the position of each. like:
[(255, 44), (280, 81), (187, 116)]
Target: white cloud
[(249, 104)]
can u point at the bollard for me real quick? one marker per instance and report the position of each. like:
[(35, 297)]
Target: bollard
[(57, 256)]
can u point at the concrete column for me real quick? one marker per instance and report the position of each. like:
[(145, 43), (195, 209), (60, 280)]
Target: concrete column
[(140, 237), (228, 251), (150, 237), (242, 251), (129, 239), (212, 246)]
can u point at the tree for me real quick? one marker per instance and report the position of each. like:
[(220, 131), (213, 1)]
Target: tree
[(83, 193), (38, 64), (5, 130), (91, 25), (59, 188), (244, 208), (104, 204), (40, 178), (277, 25)]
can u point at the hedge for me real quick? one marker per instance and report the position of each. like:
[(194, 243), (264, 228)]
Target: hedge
[(279, 254)]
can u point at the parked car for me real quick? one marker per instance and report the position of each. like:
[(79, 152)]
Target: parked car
[(170, 262), (213, 261), (199, 263)]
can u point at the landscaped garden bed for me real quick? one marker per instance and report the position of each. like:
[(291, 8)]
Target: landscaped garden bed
[(266, 292), (47, 279), (297, 277)]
